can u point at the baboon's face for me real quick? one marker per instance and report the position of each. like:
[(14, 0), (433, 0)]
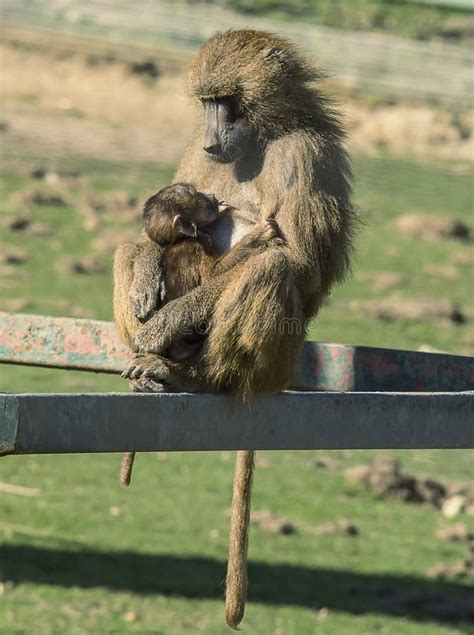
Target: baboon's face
[(227, 132), (206, 210), (193, 209)]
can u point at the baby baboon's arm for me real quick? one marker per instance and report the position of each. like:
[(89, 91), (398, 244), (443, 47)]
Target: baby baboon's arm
[(147, 291)]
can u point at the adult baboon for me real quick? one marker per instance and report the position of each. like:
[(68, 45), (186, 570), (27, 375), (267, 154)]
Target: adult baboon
[(267, 141)]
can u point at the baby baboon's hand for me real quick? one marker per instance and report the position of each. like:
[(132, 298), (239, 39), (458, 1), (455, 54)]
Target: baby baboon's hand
[(270, 229), (146, 296), (205, 240), (270, 232)]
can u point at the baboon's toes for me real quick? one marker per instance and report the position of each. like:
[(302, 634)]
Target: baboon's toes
[(145, 385), (133, 370), (152, 373)]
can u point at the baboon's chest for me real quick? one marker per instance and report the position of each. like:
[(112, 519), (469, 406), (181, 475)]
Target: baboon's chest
[(227, 231), (232, 226)]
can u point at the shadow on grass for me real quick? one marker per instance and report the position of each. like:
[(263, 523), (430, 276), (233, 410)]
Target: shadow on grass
[(274, 584)]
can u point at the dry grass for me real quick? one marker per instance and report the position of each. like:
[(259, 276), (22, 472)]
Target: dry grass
[(431, 227), (396, 309), (408, 129), (104, 110)]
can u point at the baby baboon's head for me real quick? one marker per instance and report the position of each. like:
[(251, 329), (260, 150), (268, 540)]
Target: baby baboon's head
[(178, 209)]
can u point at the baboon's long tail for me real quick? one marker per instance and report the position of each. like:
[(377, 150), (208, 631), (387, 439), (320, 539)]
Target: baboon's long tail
[(126, 467), (236, 582)]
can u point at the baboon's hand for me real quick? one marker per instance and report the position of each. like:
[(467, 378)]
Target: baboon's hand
[(146, 367), (146, 295), (156, 335), (205, 240)]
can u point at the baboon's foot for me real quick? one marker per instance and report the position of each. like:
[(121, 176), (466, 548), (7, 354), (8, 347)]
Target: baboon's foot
[(169, 375), (145, 385), (148, 366)]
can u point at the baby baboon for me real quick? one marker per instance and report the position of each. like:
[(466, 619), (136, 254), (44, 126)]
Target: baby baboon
[(175, 219), (269, 141)]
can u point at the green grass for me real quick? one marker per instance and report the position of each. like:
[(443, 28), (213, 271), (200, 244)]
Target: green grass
[(86, 554), (70, 565), (419, 20), (410, 19), (386, 189)]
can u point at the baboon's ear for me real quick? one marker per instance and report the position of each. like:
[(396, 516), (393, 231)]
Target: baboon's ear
[(184, 225)]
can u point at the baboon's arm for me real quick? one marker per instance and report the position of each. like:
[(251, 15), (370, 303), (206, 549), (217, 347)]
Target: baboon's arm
[(177, 317)]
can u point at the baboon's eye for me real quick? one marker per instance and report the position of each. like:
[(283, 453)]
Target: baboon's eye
[(230, 105)]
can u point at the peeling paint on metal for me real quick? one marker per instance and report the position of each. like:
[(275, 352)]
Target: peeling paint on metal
[(61, 342)]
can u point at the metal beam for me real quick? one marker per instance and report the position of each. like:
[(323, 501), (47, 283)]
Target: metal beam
[(57, 342), (37, 340), (42, 424)]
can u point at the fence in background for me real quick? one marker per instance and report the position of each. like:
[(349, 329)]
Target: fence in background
[(378, 63)]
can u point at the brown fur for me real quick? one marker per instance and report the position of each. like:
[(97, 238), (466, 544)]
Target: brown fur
[(187, 258), (187, 262), (237, 580), (258, 310)]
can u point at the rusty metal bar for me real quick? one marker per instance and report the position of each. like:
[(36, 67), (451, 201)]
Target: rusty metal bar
[(42, 424), (95, 346), (56, 342)]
